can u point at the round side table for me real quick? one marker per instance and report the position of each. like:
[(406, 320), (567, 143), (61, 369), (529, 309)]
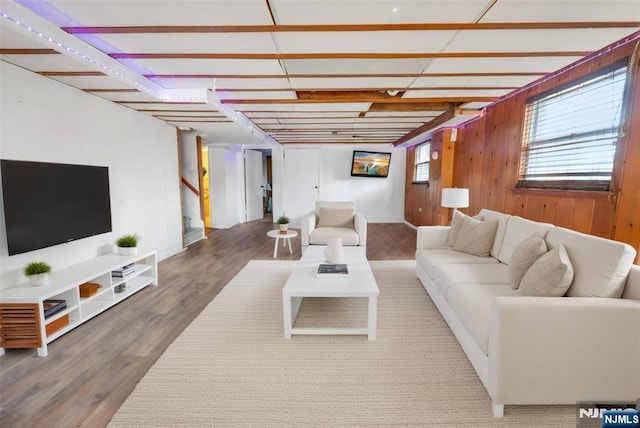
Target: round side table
[(286, 238)]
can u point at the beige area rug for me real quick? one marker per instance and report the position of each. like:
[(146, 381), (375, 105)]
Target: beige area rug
[(232, 366)]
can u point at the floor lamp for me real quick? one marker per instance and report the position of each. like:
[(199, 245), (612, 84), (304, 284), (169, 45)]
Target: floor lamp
[(455, 198)]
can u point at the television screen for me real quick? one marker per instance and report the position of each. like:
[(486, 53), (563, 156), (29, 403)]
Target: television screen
[(46, 204), (370, 164)]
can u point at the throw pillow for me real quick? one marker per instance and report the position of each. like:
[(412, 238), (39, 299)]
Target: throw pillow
[(456, 224), (476, 237), (335, 217), (525, 255), (551, 275)]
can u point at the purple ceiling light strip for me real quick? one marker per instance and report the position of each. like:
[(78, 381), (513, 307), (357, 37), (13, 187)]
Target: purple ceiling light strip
[(59, 18)]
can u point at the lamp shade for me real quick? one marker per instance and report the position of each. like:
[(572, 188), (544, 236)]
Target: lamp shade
[(455, 198)]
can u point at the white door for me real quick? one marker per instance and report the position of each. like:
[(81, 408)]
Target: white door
[(300, 188), (253, 184)]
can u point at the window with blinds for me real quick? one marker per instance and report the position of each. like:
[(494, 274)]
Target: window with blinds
[(570, 136), (421, 167)]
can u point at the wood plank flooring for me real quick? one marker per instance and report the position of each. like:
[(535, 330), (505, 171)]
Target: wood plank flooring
[(91, 370)]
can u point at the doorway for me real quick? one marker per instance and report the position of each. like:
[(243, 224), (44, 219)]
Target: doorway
[(258, 184), (205, 197)]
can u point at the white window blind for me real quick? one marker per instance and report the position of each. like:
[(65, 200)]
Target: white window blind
[(570, 136), (421, 169)]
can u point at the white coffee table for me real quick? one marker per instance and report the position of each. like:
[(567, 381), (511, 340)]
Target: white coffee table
[(303, 283), (286, 238)]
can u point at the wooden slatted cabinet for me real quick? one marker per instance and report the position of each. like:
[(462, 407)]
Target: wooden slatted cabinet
[(20, 325)]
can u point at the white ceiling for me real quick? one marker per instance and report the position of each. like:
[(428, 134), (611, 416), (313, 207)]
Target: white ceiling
[(303, 71)]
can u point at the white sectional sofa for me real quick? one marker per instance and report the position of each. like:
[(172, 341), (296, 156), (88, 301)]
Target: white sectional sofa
[(584, 346)]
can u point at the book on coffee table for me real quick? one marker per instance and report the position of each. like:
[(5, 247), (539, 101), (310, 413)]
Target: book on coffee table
[(333, 270)]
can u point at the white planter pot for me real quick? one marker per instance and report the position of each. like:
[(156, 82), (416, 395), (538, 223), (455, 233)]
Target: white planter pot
[(127, 251), (284, 227), (39, 280)]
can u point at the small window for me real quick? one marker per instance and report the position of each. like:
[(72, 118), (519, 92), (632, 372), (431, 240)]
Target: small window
[(421, 168), (570, 136)]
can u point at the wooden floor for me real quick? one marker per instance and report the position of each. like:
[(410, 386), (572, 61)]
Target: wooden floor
[(91, 370)]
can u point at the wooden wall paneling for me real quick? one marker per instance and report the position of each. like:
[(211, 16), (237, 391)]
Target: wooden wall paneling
[(626, 225), (583, 215), (513, 138), (469, 162), (564, 212), (416, 195), (447, 162), (409, 215), (603, 217), (437, 214), (492, 166), (518, 204)]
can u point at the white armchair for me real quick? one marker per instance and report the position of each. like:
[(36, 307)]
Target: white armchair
[(334, 219)]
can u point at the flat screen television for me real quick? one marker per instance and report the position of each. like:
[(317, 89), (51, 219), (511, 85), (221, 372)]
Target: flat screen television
[(47, 204), (370, 164)]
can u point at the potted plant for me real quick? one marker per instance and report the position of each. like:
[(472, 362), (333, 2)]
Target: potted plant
[(283, 221), (38, 273), (128, 244)]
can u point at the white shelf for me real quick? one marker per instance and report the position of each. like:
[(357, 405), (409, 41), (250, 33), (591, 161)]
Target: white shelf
[(60, 314), (64, 285)]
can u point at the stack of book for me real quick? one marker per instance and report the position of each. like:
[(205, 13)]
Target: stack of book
[(53, 306), (123, 271), (332, 270)]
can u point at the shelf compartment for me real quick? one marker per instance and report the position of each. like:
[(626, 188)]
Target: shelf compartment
[(60, 314), (104, 293), (139, 270), (57, 324), (73, 323), (94, 307), (134, 285)]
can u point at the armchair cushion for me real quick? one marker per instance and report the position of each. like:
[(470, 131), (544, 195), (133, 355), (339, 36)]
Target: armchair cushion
[(321, 235), (336, 217)]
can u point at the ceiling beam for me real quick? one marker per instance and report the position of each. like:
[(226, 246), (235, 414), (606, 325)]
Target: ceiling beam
[(343, 55), (446, 26), (391, 100), (412, 104), (443, 118), (29, 52), (340, 75)]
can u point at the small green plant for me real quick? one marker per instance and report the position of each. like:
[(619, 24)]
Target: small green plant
[(129, 240), (283, 219), (35, 268)]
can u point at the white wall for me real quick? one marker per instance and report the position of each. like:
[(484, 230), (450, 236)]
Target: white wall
[(380, 200), (44, 120)]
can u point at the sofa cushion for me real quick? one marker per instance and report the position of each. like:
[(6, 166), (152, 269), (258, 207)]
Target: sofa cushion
[(428, 258), (550, 276), (600, 265), (447, 275), (523, 256), (476, 237), (518, 229), (502, 225), (320, 236), (472, 305), (336, 217)]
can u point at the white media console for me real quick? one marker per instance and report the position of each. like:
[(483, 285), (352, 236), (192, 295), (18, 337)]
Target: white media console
[(23, 323)]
